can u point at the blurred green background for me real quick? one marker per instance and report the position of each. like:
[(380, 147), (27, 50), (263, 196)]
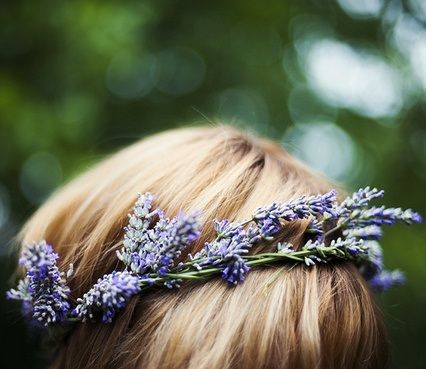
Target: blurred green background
[(341, 83)]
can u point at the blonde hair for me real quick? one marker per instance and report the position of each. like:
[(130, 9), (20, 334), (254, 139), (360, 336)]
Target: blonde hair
[(280, 317)]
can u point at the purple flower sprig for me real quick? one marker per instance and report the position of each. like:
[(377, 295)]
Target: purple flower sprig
[(137, 227), (43, 291), (166, 242), (369, 232), (355, 217), (341, 248), (227, 253), (386, 279), (270, 218), (378, 216), (315, 229), (153, 250), (358, 200), (109, 295)]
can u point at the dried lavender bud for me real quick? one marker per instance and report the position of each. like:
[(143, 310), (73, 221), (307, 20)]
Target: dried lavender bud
[(235, 269), (171, 238), (164, 243), (269, 219), (153, 250), (284, 248), (137, 227), (315, 229), (372, 264), (358, 200), (371, 232), (22, 293), (340, 248), (268, 228), (382, 216), (226, 253), (225, 228), (108, 296), (43, 290), (354, 212), (386, 279)]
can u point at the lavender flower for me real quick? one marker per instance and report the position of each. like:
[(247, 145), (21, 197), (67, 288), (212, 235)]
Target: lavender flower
[(382, 216), (227, 253), (386, 279), (341, 248), (22, 293), (372, 263), (285, 248), (153, 250), (375, 255), (109, 295), (269, 227), (371, 232), (137, 227), (235, 270), (269, 218), (224, 228), (359, 199), (315, 229), (354, 212), (164, 243), (43, 291), (170, 237)]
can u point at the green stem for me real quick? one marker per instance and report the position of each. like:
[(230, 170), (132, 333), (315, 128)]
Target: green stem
[(336, 228)]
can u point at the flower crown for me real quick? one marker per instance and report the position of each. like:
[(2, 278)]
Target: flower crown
[(152, 244)]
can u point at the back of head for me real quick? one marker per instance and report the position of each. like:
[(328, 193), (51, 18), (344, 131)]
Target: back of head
[(280, 317)]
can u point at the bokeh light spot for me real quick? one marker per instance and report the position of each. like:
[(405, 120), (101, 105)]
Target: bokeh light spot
[(408, 35), (352, 79), (362, 8), (40, 175), (418, 7), (129, 76), (325, 147), (179, 71)]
